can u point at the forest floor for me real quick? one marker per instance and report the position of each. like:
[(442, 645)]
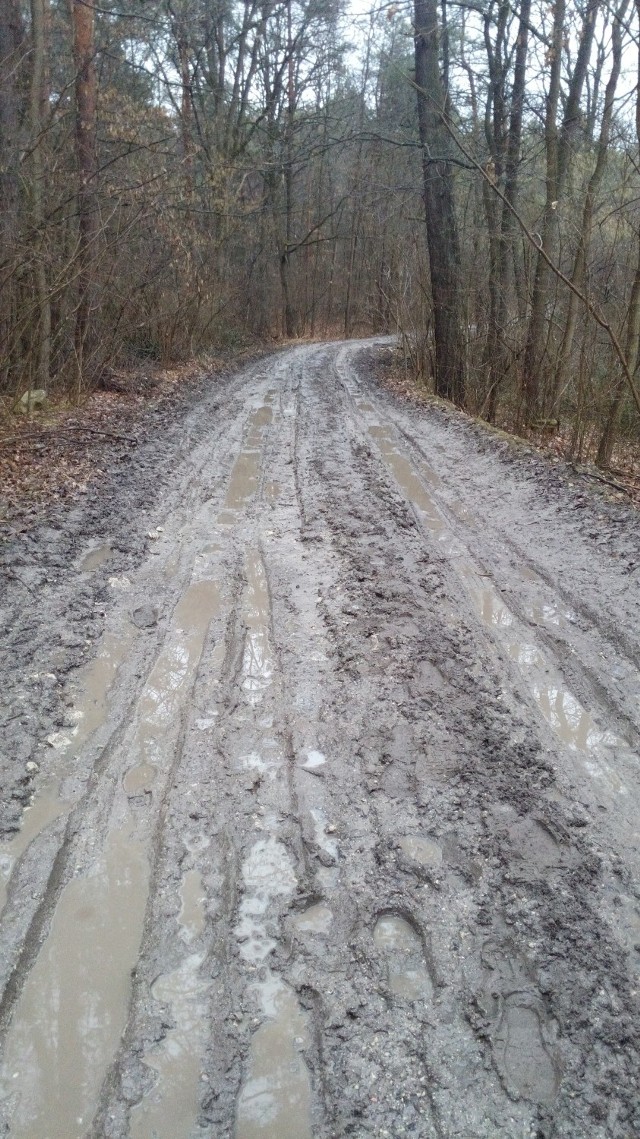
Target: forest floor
[(320, 770)]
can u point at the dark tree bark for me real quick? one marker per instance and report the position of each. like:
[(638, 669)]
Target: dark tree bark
[(632, 344), (495, 125), (500, 362), (442, 233), (86, 159), (11, 38), (558, 146), (593, 188), (11, 42), (38, 105)]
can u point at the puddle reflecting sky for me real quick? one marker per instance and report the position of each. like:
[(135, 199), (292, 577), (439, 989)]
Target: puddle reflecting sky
[(96, 557), (243, 482), (70, 1015), (257, 664), (274, 1101), (73, 1007), (171, 1107)]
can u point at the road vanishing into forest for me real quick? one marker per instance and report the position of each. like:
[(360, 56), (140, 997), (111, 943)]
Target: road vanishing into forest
[(337, 833)]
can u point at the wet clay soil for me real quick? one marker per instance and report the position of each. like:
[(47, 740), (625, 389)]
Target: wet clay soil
[(321, 783)]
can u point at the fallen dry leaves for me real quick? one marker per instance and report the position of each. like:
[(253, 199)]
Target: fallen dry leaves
[(61, 452)]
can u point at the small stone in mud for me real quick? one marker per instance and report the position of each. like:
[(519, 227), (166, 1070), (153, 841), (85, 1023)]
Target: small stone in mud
[(145, 617), (58, 740)]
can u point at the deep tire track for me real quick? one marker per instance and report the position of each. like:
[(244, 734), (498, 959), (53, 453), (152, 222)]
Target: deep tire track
[(379, 903)]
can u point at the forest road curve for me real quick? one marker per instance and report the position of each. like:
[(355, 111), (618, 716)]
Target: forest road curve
[(337, 833)]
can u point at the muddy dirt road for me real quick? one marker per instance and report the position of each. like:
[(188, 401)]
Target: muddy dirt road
[(337, 833)]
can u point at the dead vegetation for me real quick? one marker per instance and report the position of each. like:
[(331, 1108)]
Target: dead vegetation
[(60, 451)]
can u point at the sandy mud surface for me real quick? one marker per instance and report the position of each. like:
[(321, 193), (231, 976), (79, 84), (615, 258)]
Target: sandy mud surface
[(321, 785)]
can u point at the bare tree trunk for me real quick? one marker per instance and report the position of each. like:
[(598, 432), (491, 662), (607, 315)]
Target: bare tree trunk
[(321, 191), (608, 437), (331, 285), (494, 129), (86, 158), (507, 251), (595, 182), (353, 245), (534, 351), (357, 195), (558, 144), (11, 41), (38, 104), (442, 233), (632, 345), (288, 314), (179, 28)]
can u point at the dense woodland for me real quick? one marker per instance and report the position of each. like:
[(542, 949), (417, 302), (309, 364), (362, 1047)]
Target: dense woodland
[(175, 173)]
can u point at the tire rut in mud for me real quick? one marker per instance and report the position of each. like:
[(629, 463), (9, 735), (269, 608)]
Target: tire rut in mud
[(363, 893)]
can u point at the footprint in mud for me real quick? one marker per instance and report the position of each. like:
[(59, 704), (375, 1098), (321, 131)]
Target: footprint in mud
[(523, 1038), (274, 1101), (139, 780), (406, 968), (523, 1057), (537, 849), (422, 850), (315, 919)]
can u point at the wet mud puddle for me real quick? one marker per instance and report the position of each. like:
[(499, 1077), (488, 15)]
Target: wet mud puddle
[(569, 719), (275, 1097), (245, 474), (71, 1012), (47, 806), (257, 664), (96, 557), (171, 1107), (89, 714)]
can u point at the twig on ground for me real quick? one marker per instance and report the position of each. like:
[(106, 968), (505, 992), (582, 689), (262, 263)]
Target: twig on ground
[(107, 434), (625, 474), (11, 573), (9, 440), (50, 433), (602, 478)]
